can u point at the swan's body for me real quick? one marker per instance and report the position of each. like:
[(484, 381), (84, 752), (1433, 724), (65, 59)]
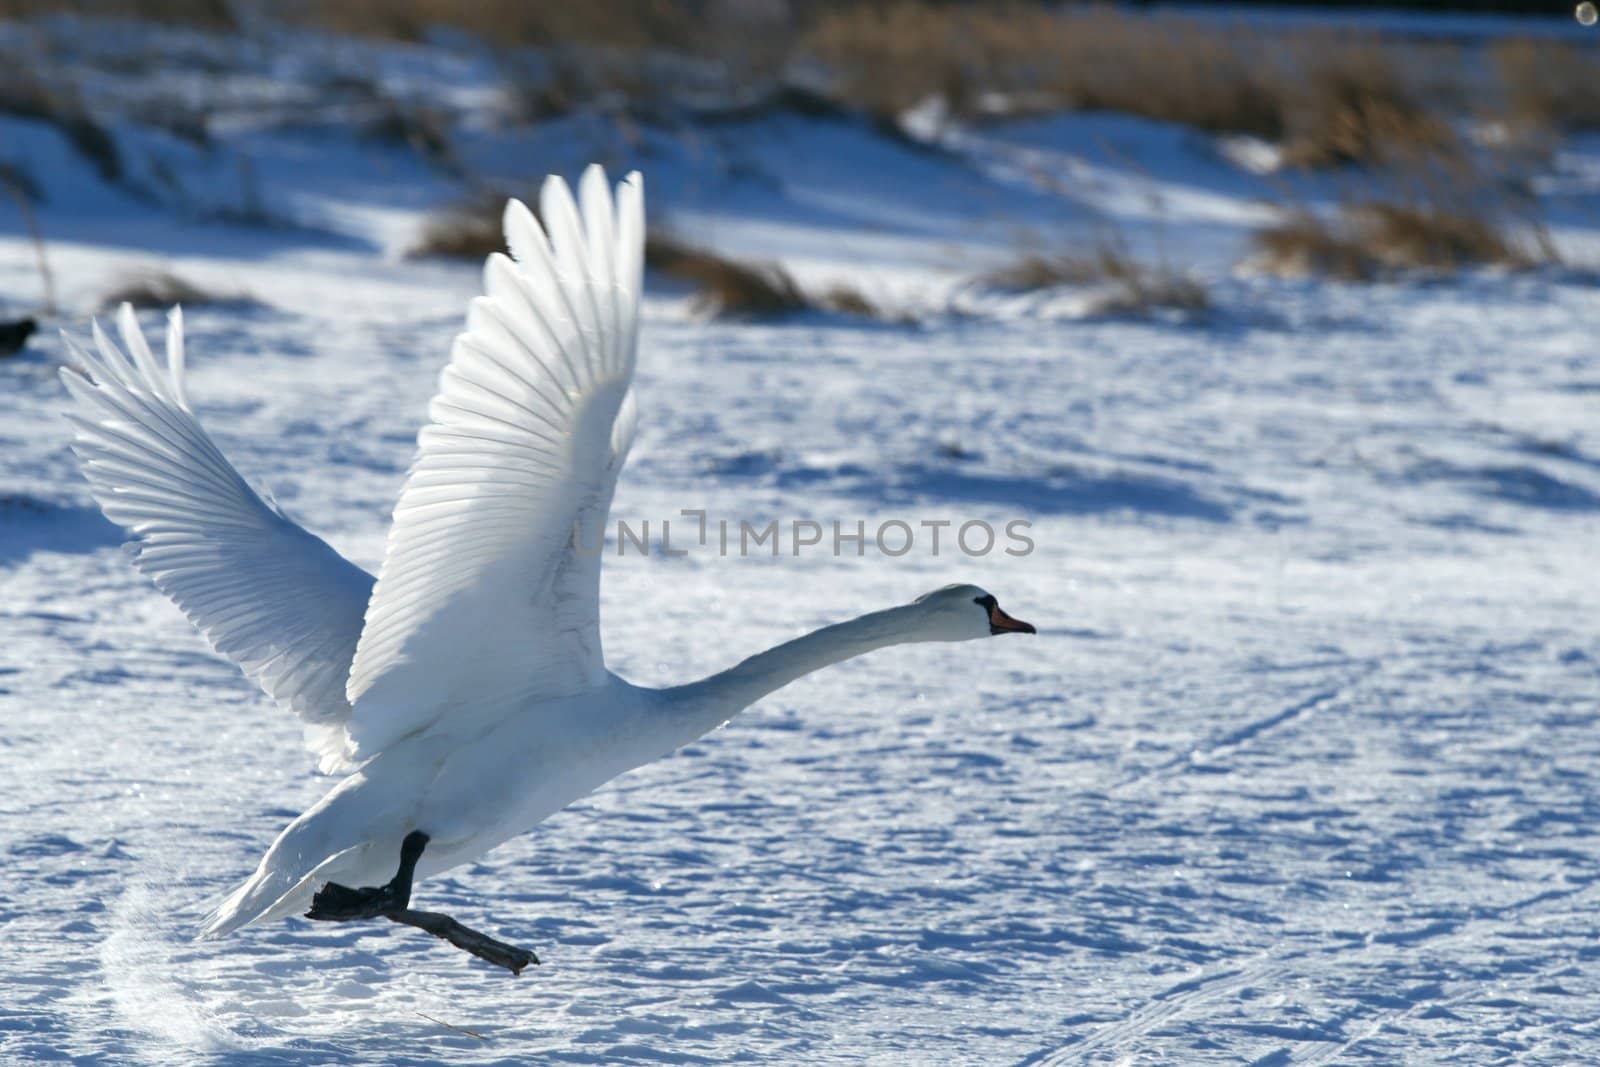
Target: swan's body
[(464, 690)]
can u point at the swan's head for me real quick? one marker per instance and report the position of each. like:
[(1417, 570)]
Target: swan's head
[(963, 612)]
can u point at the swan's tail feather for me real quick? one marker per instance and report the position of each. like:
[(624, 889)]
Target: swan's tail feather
[(247, 903), (280, 872), (327, 841), (273, 894), (244, 904)]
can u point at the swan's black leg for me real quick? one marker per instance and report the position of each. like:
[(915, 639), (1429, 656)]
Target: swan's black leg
[(339, 903), (482, 946)]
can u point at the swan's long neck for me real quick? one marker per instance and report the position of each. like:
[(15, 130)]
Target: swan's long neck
[(710, 702)]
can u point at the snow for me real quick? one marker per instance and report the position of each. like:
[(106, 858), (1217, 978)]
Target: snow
[(1301, 768)]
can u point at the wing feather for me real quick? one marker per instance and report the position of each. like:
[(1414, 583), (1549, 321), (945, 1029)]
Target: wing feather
[(482, 594), (267, 594)]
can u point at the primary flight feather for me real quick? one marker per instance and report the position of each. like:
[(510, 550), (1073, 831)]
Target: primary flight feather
[(463, 692)]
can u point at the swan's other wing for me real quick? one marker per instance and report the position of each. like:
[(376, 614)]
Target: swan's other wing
[(267, 594), (483, 596)]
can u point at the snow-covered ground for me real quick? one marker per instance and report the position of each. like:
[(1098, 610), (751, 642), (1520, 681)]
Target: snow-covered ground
[(1302, 768)]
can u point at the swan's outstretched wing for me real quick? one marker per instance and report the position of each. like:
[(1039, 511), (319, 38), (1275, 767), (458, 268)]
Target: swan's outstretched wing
[(483, 595), (268, 595)]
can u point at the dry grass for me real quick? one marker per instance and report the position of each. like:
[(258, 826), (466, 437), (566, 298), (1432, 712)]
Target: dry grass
[(727, 286), (213, 14), (573, 76), (425, 130), (737, 289), (846, 300), (1126, 285), (633, 24), (185, 120), (24, 95), (630, 23), (1329, 100), (1303, 245), (1035, 271), (1355, 105), (1550, 83), (887, 58), (162, 289), (722, 27), (1374, 239), (1209, 76), (1150, 289), (19, 183), (1431, 237), (471, 229), (23, 191)]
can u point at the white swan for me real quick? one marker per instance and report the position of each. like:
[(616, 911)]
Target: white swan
[(464, 692)]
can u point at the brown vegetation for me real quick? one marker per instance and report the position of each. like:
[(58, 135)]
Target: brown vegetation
[(1354, 105), (471, 229), (633, 24), (214, 14), (739, 289), (1329, 100), (887, 58), (20, 188), (162, 289), (381, 114), (627, 23), (1373, 239), (24, 95), (726, 286), (1550, 83), (1391, 104), (1126, 286), (636, 25), (1303, 244), (1037, 271)]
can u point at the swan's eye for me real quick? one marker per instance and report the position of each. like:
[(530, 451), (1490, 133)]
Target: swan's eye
[(987, 601)]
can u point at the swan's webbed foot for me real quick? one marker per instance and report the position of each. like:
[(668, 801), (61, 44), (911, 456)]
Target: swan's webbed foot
[(340, 903)]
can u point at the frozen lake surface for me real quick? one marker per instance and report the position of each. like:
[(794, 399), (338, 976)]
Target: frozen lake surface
[(1303, 767)]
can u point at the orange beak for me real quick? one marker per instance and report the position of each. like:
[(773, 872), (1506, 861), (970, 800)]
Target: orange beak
[(1001, 623)]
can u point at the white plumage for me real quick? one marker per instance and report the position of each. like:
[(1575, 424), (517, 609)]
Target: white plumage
[(465, 690), (241, 571), (519, 447)]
